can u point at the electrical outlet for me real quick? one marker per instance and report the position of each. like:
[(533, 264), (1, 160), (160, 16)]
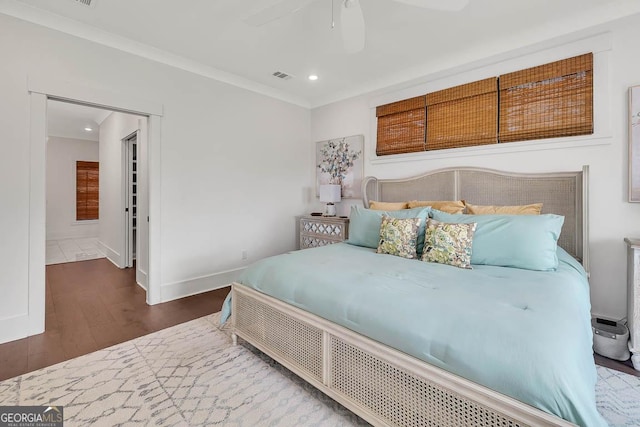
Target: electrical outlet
[(245, 255)]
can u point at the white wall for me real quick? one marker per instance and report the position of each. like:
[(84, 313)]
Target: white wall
[(231, 176), (62, 154), (617, 66), (111, 237)]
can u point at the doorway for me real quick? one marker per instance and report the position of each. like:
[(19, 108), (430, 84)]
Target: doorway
[(40, 91), (72, 182), (130, 169), (92, 197)]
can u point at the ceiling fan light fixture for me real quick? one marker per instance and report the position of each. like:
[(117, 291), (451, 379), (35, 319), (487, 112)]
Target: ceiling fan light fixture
[(313, 77), (352, 25)]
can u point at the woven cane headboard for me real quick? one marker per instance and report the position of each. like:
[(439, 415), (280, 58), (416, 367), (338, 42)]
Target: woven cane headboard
[(562, 193)]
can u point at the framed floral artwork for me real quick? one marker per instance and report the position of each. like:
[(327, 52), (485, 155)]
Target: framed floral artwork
[(634, 144), (341, 161)]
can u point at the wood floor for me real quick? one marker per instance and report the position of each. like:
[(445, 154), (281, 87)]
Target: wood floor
[(626, 367), (92, 305)]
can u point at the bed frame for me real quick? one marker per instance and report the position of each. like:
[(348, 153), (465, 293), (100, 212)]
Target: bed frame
[(383, 385)]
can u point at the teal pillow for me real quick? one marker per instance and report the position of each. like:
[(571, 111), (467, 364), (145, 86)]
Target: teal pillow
[(364, 225), (521, 241)]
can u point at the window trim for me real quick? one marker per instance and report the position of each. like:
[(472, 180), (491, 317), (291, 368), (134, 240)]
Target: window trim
[(561, 143), (474, 113), (543, 52)]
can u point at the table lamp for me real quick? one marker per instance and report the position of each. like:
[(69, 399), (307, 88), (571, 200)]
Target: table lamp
[(330, 194)]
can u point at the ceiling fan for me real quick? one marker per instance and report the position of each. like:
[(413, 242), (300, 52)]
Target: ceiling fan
[(351, 18)]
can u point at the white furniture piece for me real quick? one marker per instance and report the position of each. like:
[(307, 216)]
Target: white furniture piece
[(633, 299), (379, 383), (322, 230)]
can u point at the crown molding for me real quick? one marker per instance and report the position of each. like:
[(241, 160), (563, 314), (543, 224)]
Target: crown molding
[(65, 25), (550, 32)]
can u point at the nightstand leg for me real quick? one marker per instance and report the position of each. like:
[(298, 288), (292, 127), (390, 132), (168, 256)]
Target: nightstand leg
[(234, 339)]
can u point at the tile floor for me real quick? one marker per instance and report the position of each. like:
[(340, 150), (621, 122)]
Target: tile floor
[(70, 250)]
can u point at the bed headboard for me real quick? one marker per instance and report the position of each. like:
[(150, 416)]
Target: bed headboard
[(562, 193)]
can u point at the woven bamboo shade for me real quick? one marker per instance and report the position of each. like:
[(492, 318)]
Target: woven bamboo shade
[(547, 101), (87, 190), (463, 116), (401, 126)]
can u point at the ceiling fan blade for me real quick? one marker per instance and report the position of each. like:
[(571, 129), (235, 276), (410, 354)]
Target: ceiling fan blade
[(447, 5), (352, 26), (275, 11)]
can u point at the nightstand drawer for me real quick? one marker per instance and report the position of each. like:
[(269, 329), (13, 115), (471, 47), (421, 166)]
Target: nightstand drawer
[(322, 230)]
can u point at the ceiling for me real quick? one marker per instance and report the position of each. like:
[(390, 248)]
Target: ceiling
[(70, 120), (403, 43)]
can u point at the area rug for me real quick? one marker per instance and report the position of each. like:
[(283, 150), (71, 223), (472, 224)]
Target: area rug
[(191, 375)]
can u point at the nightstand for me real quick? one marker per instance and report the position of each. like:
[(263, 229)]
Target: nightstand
[(322, 230), (633, 299)]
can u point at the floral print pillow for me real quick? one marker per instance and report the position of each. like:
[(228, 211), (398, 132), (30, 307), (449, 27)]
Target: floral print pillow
[(398, 236), (450, 244)]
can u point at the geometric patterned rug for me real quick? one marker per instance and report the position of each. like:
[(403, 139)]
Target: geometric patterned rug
[(191, 375), (618, 397)]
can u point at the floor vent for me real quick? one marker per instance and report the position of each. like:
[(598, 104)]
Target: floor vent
[(281, 75)]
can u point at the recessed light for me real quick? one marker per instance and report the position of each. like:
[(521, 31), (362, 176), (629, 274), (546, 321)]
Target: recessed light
[(88, 129), (313, 77)]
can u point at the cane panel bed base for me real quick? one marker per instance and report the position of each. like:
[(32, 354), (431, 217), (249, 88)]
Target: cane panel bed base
[(382, 385)]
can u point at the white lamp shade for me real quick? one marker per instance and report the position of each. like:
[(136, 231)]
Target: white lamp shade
[(330, 193)]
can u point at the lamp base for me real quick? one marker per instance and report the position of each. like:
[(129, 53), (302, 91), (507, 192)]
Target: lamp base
[(330, 210)]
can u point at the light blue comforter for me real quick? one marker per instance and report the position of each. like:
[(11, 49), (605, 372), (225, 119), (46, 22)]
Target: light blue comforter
[(523, 333)]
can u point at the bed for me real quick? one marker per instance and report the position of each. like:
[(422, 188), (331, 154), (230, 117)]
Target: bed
[(403, 342)]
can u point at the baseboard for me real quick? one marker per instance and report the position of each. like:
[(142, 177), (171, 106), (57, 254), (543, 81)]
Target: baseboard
[(198, 285), (79, 233), (111, 255), (14, 328), (143, 279)]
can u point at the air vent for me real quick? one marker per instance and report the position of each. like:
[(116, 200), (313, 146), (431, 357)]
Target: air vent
[(85, 2), (281, 75)]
